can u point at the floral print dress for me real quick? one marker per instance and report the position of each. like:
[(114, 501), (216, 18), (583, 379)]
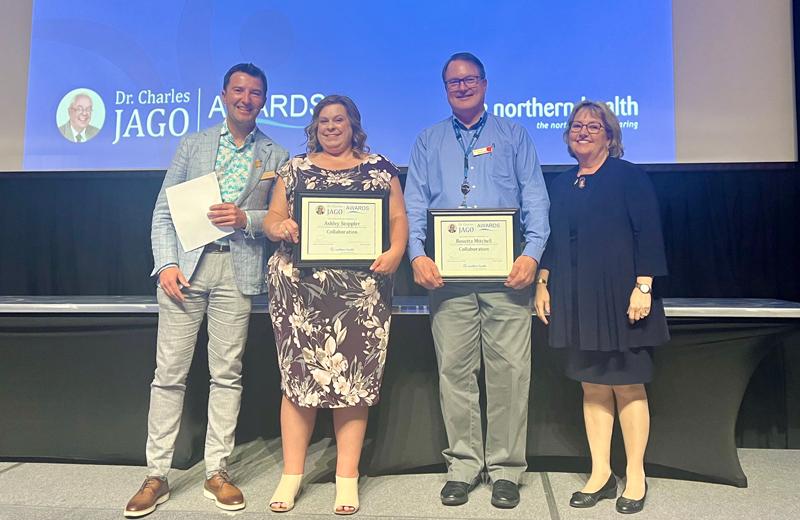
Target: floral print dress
[(331, 325)]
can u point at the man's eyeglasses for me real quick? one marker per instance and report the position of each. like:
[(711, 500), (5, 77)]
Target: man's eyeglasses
[(468, 81), (592, 128), (81, 110)]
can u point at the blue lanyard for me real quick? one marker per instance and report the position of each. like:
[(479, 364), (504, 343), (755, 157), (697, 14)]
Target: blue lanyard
[(465, 186)]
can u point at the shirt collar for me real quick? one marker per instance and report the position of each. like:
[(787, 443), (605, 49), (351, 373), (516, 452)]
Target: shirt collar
[(226, 133), (477, 124), (76, 133)]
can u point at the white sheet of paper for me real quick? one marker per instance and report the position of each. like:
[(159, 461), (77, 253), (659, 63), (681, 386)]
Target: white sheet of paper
[(188, 204)]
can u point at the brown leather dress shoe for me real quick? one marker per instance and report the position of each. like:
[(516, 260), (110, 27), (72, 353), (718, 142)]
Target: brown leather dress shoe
[(221, 490), (154, 491)]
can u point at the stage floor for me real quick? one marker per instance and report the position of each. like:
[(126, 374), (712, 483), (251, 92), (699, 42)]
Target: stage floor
[(38, 491)]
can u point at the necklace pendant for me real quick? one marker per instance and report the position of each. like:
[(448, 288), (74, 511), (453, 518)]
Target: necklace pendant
[(581, 182)]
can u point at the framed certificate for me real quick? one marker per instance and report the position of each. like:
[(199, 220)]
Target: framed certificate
[(346, 229), (474, 245)]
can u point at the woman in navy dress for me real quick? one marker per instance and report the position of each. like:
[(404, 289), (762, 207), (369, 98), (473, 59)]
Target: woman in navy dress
[(596, 283)]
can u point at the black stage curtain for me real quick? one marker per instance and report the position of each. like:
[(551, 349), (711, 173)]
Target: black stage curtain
[(730, 232)]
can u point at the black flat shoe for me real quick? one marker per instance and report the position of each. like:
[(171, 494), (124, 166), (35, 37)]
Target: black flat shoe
[(628, 506), (609, 490), (456, 493), (505, 494)]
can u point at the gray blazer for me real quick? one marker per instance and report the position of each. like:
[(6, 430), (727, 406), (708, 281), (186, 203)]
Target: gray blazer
[(195, 157)]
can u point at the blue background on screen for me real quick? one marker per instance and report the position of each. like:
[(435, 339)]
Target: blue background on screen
[(387, 56)]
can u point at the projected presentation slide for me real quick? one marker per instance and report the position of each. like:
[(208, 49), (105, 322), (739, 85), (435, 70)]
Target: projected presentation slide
[(133, 77)]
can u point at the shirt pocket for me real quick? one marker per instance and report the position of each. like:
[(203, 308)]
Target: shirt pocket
[(502, 168)]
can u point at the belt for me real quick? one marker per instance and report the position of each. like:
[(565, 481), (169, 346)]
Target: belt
[(216, 248)]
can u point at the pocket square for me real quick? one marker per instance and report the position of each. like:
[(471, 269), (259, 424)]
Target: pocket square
[(268, 175)]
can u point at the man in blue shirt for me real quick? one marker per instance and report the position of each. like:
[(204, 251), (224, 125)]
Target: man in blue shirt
[(473, 159)]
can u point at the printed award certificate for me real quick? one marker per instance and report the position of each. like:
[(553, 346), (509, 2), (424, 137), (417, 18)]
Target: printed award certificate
[(340, 229), (474, 245)]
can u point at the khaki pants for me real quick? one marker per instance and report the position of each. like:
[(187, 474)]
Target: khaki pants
[(470, 322)]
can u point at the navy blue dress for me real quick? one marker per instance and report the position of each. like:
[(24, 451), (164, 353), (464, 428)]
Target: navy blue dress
[(602, 237)]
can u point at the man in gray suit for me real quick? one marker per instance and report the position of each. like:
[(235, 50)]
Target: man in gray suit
[(79, 129), (218, 279)]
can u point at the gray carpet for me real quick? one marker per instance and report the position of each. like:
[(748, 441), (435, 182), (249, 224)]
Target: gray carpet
[(31, 491)]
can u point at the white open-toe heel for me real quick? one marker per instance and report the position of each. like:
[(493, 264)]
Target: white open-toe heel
[(346, 495), (287, 490)]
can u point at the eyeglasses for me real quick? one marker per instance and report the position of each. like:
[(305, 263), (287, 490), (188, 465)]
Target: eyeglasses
[(81, 110), (468, 81), (592, 128)]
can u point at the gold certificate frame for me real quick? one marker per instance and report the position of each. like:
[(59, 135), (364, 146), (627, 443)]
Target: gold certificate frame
[(340, 229), (474, 245)]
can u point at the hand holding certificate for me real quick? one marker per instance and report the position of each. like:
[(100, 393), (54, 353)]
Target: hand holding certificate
[(287, 230), (474, 245), (188, 206)]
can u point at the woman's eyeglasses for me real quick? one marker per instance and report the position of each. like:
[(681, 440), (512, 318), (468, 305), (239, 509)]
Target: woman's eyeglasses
[(592, 128)]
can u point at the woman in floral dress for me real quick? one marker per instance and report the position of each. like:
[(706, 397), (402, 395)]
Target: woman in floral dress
[(331, 325)]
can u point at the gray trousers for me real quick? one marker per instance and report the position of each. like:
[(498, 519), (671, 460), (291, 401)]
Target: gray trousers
[(470, 322), (213, 290)]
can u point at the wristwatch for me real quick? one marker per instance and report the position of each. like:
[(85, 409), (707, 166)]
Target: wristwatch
[(644, 288)]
